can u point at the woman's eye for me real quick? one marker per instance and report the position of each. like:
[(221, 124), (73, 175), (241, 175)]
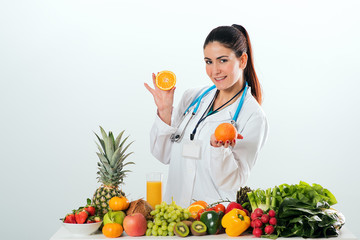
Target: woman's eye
[(223, 60), (208, 62)]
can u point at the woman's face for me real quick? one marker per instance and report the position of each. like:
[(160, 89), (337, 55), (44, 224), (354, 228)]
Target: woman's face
[(222, 66)]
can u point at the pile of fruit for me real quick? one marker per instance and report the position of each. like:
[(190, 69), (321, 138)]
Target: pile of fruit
[(263, 213)]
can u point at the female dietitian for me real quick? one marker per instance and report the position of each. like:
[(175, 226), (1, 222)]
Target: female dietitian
[(200, 167)]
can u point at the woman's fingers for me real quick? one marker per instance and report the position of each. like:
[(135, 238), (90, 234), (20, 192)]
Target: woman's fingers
[(239, 136), (149, 89)]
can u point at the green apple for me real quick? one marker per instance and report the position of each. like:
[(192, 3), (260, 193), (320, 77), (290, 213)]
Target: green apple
[(114, 217)]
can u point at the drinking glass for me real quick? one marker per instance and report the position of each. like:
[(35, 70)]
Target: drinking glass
[(154, 188)]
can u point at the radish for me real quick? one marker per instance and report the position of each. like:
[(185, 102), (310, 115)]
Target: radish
[(257, 223), (253, 216), (272, 213), (273, 221), (257, 232), (269, 229), (258, 212), (265, 218)]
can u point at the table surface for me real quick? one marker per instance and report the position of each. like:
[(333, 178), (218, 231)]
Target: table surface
[(64, 234)]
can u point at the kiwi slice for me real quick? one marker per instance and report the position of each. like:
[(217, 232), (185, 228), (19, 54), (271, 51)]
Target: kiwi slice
[(181, 229), (198, 228)]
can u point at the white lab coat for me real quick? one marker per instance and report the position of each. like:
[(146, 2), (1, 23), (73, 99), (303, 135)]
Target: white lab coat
[(219, 172)]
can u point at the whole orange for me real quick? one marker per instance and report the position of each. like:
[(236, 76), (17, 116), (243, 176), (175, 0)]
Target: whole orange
[(119, 203), (112, 230), (225, 131)]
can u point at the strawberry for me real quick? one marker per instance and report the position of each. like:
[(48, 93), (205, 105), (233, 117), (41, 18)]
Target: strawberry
[(90, 208), (97, 219), (70, 218), (81, 215), (90, 220)]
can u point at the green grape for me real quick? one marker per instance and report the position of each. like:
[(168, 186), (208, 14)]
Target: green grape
[(186, 211), (152, 212), (154, 232), (163, 204), (186, 215), (166, 215), (178, 212), (164, 227), (158, 222), (160, 231), (157, 211), (148, 232), (171, 208), (178, 220), (155, 227), (166, 207), (170, 228), (158, 206), (171, 233), (164, 223), (161, 213), (164, 233), (150, 224)]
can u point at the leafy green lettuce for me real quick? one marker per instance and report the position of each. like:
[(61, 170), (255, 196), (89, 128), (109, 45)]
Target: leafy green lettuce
[(301, 219)]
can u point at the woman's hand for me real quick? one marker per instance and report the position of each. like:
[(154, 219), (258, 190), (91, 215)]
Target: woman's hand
[(215, 143), (163, 100)]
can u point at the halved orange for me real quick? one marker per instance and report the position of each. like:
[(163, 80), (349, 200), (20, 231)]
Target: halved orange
[(194, 209), (165, 80), (202, 203)]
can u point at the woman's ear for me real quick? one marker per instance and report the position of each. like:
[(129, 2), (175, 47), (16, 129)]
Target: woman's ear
[(243, 61)]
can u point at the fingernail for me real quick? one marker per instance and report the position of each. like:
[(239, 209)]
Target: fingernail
[(234, 141), (216, 142), (227, 141)]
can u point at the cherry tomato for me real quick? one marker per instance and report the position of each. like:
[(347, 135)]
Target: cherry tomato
[(219, 208)]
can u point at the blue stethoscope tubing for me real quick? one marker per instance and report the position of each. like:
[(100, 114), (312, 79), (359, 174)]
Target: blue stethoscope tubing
[(197, 101)]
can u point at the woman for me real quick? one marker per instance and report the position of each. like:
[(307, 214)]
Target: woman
[(201, 168)]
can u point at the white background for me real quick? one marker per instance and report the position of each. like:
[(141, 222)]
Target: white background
[(67, 67)]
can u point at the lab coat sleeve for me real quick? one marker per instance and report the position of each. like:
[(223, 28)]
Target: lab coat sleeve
[(230, 167), (160, 143)]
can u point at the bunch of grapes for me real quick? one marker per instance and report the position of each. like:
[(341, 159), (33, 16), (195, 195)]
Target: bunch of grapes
[(165, 217)]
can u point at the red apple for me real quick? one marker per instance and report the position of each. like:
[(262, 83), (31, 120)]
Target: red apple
[(135, 225)]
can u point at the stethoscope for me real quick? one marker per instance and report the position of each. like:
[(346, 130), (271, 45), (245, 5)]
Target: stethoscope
[(178, 137)]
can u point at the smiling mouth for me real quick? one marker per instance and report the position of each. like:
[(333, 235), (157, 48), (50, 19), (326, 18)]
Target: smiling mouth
[(220, 78)]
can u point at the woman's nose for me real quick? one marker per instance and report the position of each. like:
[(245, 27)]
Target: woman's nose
[(216, 68)]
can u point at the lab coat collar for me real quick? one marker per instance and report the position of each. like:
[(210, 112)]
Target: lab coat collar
[(225, 113)]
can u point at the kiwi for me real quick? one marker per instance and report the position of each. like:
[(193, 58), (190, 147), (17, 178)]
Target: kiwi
[(198, 228), (181, 229)]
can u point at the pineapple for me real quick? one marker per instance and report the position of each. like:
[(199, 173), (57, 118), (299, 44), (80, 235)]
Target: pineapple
[(112, 153)]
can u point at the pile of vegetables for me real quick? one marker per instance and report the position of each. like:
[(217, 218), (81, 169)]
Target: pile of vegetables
[(303, 210)]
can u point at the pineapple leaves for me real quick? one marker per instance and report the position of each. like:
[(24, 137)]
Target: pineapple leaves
[(101, 142), (105, 163), (112, 153), (122, 152), (118, 139)]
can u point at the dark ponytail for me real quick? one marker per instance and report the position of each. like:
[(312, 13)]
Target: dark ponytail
[(236, 38)]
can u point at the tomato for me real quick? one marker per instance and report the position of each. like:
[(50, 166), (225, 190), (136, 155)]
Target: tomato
[(199, 213), (219, 208)]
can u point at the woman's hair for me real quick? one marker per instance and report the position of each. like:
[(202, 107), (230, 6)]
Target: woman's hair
[(236, 38)]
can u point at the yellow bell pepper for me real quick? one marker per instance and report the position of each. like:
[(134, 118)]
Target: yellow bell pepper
[(235, 222)]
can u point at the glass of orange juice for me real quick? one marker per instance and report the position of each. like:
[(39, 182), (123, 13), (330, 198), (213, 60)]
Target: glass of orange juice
[(154, 188)]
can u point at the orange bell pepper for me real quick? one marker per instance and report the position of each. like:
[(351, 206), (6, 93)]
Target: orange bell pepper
[(235, 222)]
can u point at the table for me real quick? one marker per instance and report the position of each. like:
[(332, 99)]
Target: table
[(64, 234)]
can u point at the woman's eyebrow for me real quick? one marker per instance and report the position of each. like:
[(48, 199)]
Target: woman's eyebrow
[(206, 58)]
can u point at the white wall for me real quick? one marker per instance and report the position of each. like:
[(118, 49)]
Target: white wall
[(67, 67)]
